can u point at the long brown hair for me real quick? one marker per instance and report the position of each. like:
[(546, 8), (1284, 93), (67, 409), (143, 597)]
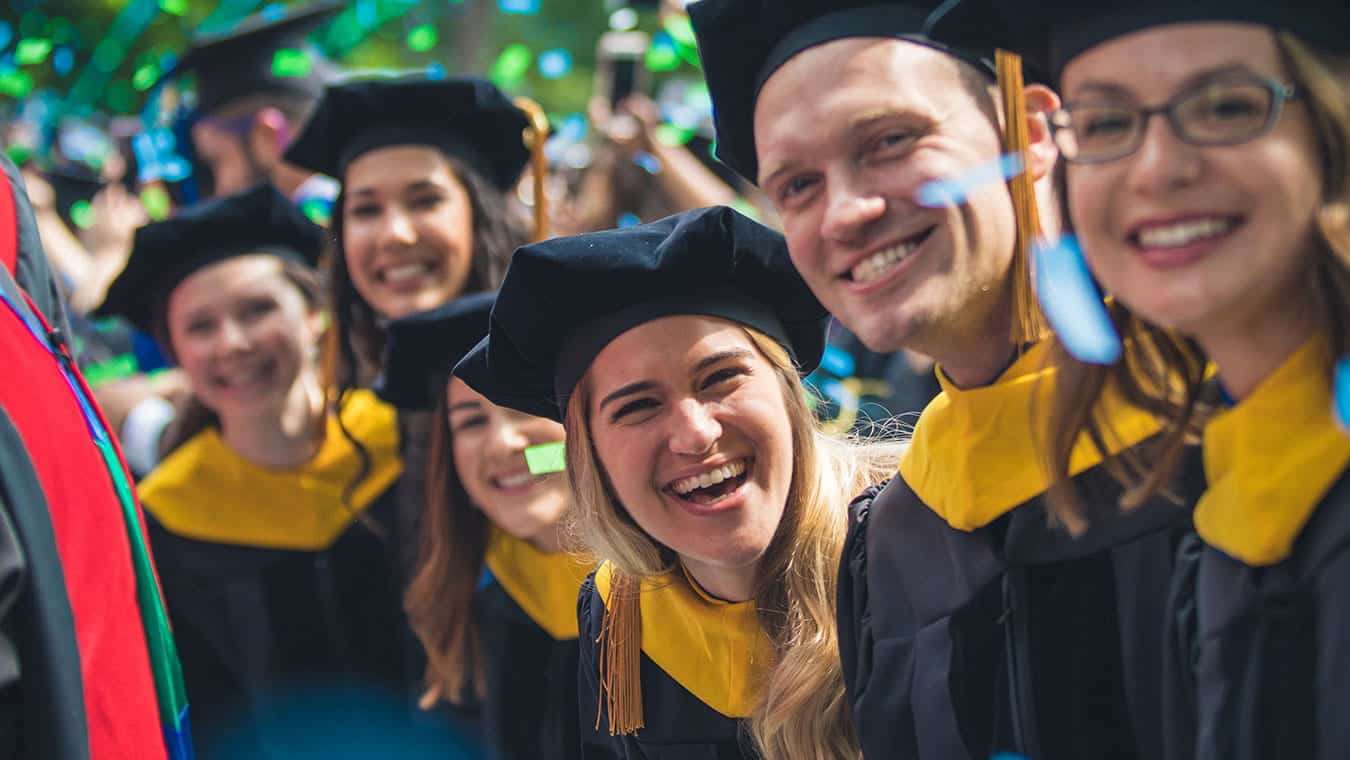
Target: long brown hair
[(192, 416), (1164, 372), (452, 548), (802, 711)]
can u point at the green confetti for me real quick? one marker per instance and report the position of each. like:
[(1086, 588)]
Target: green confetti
[(546, 458), (662, 58), (82, 214), (29, 52), (746, 207), (176, 7), (681, 29), (18, 153), (422, 38), (510, 67), (156, 202), (145, 77), (116, 368), (16, 84), (669, 134), (289, 62), (317, 211)]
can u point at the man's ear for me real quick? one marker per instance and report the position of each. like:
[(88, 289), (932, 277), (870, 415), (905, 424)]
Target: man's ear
[(269, 135), (1042, 151)]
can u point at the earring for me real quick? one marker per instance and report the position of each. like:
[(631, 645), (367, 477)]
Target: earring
[(1071, 301)]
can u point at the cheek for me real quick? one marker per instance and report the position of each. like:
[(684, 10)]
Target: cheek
[(450, 229), (466, 456)]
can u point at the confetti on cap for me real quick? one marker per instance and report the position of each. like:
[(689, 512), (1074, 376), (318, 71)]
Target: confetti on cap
[(290, 62), (953, 191), (1071, 301), (546, 458)]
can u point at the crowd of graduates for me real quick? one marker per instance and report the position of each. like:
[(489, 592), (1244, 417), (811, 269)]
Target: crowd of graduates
[(986, 396)]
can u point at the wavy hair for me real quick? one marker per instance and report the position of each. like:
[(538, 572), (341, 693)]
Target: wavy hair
[(802, 712)]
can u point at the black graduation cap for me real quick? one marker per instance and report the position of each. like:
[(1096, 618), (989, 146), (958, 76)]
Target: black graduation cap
[(469, 117), (742, 42), (565, 299), (421, 349), (1050, 33), (163, 254), (259, 55)]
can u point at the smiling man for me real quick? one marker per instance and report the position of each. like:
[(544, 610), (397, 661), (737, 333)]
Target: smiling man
[(968, 624)]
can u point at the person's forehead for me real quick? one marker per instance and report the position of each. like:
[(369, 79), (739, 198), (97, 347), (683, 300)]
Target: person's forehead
[(1164, 56)]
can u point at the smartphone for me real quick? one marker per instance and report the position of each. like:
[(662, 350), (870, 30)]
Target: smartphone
[(620, 70)]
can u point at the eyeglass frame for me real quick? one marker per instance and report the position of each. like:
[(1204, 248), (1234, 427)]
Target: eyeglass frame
[(1280, 92)]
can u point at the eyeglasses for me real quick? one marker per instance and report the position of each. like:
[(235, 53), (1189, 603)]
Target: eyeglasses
[(1216, 113)]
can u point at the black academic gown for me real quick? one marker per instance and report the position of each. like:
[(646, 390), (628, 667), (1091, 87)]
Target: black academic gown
[(1259, 651), (1009, 635), (530, 709), (678, 725)]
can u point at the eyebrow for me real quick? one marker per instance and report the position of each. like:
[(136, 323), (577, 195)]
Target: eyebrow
[(640, 386), (858, 123), (464, 406), (418, 186), (1115, 90)]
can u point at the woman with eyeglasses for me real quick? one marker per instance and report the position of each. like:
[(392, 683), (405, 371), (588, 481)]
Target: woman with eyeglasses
[(1208, 177)]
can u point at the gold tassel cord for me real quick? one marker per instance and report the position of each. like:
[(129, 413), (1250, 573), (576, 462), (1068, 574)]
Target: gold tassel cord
[(620, 657), (535, 136), (1028, 324)]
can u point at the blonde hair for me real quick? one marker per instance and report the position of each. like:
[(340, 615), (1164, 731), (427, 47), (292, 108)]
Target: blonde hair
[(802, 711), (1164, 372)]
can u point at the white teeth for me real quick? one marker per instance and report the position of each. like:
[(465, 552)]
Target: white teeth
[(514, 481), (875, 265), (403, 272), (712, 477), (1183, 233)]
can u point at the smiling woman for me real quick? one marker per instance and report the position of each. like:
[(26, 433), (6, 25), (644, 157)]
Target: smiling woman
[(674, 354)]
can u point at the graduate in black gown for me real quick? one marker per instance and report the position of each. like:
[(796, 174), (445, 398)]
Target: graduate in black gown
[(969, 622), (269, 524), (494, 596), (673, 351), (1220, 229)]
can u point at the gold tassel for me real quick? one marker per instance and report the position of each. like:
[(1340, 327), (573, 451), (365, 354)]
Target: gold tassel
[(620, 643), (1028, 324), (534, 136)]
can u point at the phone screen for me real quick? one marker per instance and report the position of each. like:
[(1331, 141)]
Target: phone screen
[(624, 80)]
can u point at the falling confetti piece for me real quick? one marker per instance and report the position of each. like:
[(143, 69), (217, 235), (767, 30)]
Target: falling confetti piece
[(953, 191), (422, 38), (510, 67), (1342, 391), (16, 84), (746, 207), (435, 71), (82, 214), (289, 62), (63, 60), (6, 34), (32, 51), (669, 134), (174, 7), (554, 64), (545, 458), (628, 220), (519, 7), (662, 55), (651, 164), (1071, 301), (156, 202), (145, 77)]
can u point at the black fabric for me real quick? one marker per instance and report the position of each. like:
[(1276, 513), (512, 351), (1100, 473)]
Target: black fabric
[(530, 710), (421, 349), (1050, 33), (561, 294), (240, 62), (32, 272), (468, 117), (260, 630), (679, 726), (163, 254), (1013, 637), (1266, 662), (43, 703), (742, 42)]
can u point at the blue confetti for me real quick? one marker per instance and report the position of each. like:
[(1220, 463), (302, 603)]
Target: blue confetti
[(272, 12), (63, 60), (554, 64), (524, 7), (837, 361), (629, 220), (647, 161), (435, 71), (953, 191), (1072, 303), (573, 128), (366, 13), (6, 34), (1342, 391)]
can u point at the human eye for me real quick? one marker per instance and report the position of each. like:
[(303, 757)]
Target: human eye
[(892, 143), (257, 308), (468, 422), (198, 327), (722, 377), (634, 410), (426, 201), (1102, 123), (794, 187)]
